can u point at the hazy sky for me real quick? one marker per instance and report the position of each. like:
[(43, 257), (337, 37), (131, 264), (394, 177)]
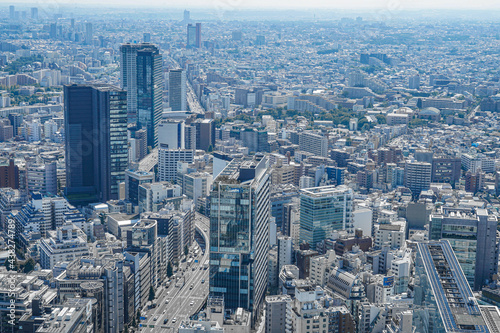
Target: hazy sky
[(281, 4)]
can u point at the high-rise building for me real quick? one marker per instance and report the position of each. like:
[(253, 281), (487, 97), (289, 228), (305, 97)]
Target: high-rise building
[(9, 174), (194, 35), (171, 134), (473, 239), (66, 244), (134, 178), (417, 176), (205, 133), (16, 120), (89, 33), (278, 314), (323, 210), (34, 13), (239, 234), (12, 12), (141, 77), (95, 118), (167, 162), (313, 143), (443, 299), (177, 98), (42, 178), (414, 82), (187, 15)]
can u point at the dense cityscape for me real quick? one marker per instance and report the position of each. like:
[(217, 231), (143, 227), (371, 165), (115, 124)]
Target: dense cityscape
[(223, 170)]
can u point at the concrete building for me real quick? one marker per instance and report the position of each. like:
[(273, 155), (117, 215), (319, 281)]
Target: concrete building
[(67, 243), (417, 176), (313, 143), (278, 314), (167, 162), (473, 238), (323, 210)]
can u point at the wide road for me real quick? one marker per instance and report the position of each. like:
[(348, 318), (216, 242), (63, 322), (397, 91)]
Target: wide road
[(179, 301)]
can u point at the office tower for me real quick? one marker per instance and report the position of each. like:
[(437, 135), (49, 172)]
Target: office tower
[(255, 140), (106, 277), (42, 177), (95, 120), (53, 30), (138, 143), (473, 239), (443, 299), (260, 40), (141, 77), (446, 170), (16, 120), (171, 134), (323, 210), (198, 35), (146, 37), (187, 16), (34, 13), (278, 314), (414, 82), (205, 133), (474, 181), (239, 234), (313, 143), (190, 136), (9, 174), (417, 176), (133, 179), (12, 12), (197, 185), (285, 251), (66, 244), (191, 35), (237, 35), (194, 35), (167, 162), (177, 98), (89, 34)]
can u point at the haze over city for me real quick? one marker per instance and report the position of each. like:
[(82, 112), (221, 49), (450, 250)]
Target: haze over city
[(249, 166)]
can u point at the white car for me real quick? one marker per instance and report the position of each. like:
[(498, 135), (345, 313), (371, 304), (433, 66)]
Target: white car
[(192, 303), (174, 320)]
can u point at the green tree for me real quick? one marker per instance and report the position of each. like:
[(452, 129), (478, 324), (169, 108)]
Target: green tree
[(151, 293), (29, 265), (170, 270)]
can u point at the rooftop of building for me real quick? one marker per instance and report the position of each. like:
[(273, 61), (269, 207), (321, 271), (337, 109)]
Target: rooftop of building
[(456, 303)]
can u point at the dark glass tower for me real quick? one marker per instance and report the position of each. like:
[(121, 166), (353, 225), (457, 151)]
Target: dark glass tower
[(95, 120), (239, 238), (141, 77)]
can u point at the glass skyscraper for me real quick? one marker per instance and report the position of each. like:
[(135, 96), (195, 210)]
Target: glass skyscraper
[(95, 120), (323, 210), (443, 299), (473, 239), (239, 234), (141, 77), (177, 98)]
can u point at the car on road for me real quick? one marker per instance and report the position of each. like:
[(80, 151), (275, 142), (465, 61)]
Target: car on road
[(165, 321), (174, 320), (155, 318), (192, 303), (191, 286), (166, 302), (202, 280)]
